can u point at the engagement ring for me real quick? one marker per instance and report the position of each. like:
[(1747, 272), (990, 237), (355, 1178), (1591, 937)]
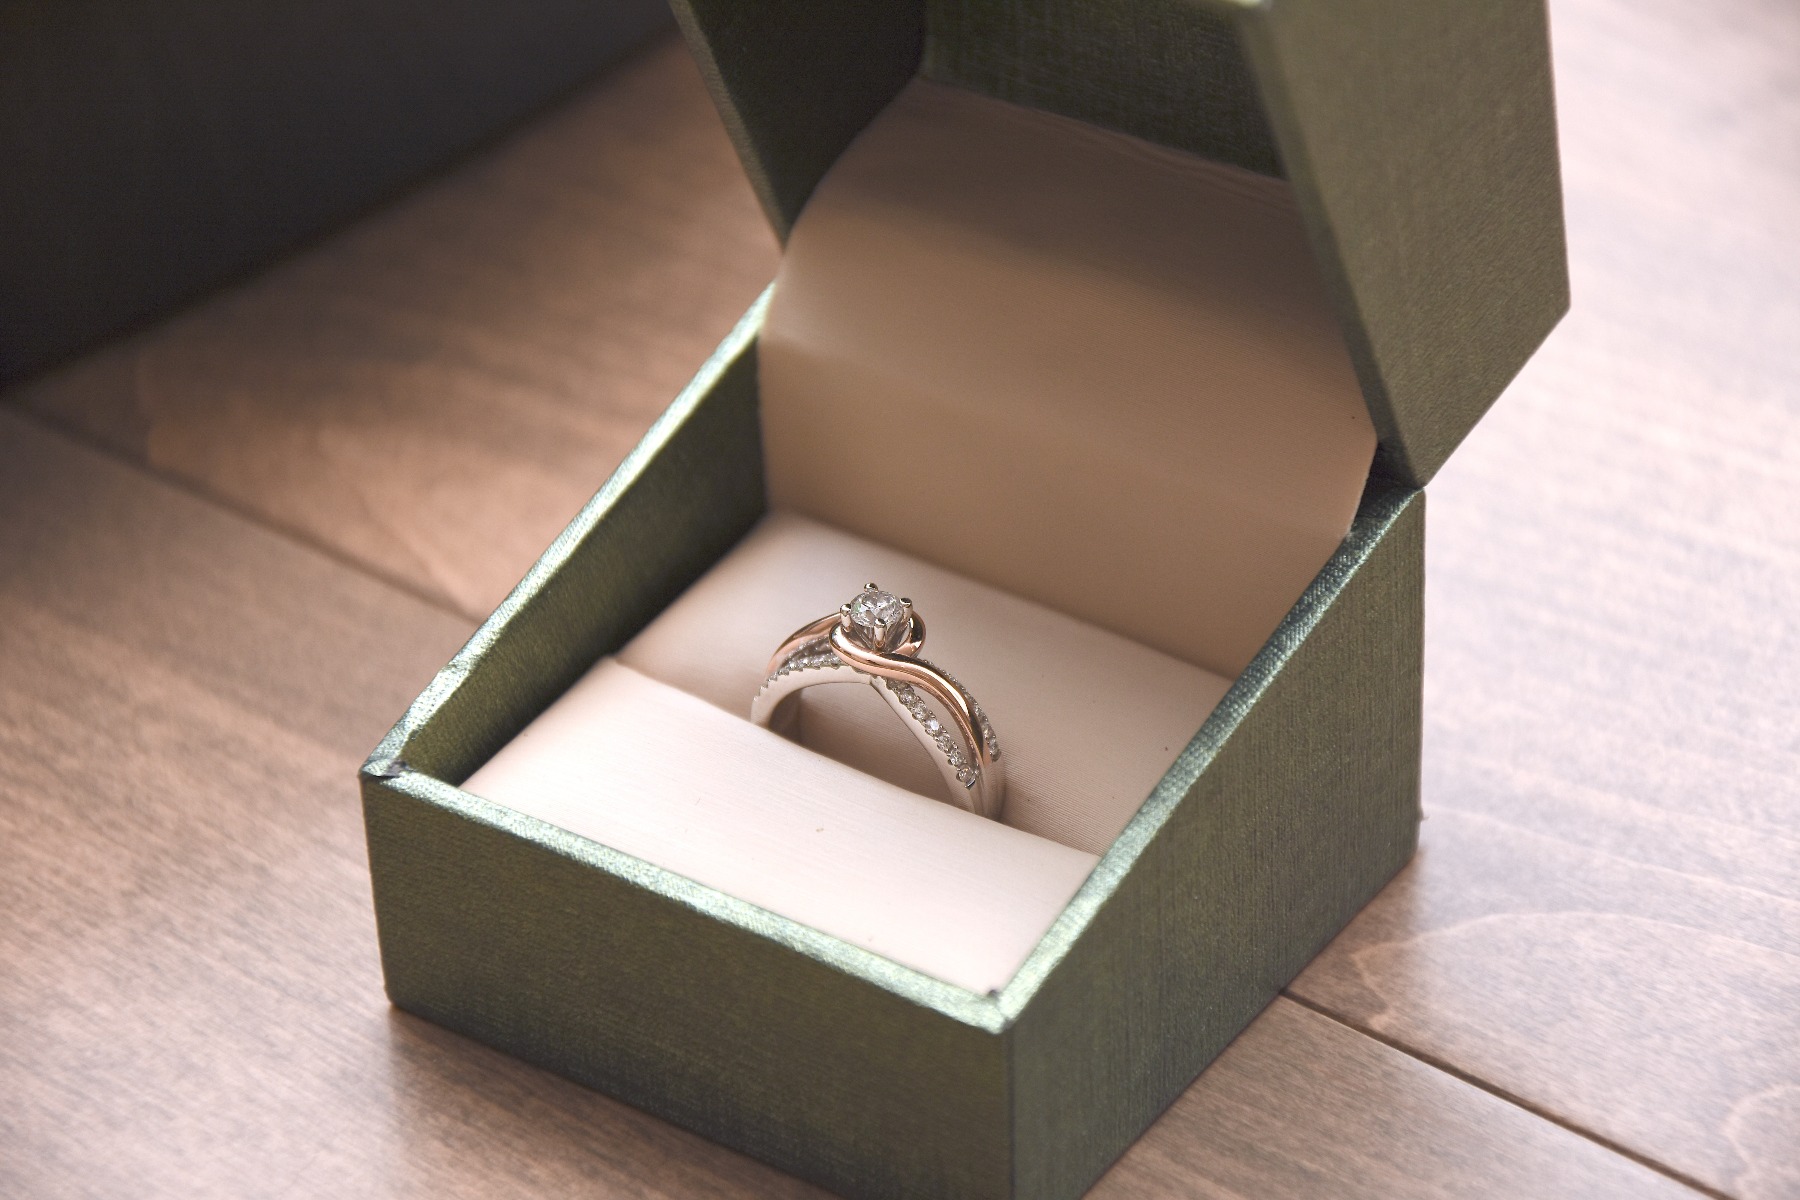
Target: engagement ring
[(875, 639)]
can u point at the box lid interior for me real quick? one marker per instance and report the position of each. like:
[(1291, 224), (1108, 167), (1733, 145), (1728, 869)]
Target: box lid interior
[(1419, 141)]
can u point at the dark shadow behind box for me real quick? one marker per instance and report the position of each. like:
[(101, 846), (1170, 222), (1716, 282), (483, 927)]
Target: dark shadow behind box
[(152, 150), (1420, 140)]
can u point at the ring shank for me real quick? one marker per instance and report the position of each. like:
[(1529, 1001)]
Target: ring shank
[(941, 715)]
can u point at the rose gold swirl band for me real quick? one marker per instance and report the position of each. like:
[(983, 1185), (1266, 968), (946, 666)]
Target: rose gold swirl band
[(875, 639)]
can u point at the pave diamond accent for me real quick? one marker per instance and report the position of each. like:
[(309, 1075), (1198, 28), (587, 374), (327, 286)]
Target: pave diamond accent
[(813, 656), (966, 772), (983, 726)]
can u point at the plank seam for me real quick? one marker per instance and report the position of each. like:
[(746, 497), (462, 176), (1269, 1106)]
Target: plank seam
[(84, 440), (1517, 1101)]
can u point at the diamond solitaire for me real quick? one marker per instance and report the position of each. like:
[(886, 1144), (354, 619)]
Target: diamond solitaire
[(879, 616)]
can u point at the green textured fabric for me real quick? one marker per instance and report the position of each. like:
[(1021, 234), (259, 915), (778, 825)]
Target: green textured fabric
[(796, 80), (706, 1011), (1420, 140), (1293, 804), (1419, 136), (1168, 71), (684, 496)]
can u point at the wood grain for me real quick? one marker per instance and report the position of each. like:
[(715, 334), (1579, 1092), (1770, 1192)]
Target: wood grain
[(1604, 923), (435, 391), (190, 999), (1605, 918), (1301, 1106)]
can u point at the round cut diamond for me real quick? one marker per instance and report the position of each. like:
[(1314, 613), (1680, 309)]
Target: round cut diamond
[(877, 611)]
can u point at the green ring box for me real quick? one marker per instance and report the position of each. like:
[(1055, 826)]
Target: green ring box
[(1419, 140)]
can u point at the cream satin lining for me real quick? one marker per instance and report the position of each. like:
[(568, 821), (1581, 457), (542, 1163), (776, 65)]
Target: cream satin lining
[(1080, 398), (1088, 371)]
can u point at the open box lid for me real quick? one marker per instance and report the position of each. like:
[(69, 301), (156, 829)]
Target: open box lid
[(1419, 140)]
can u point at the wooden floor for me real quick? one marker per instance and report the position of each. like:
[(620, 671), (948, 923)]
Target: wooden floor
[(233, 547)]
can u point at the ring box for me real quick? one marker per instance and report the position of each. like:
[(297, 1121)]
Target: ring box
[(1417, 143)]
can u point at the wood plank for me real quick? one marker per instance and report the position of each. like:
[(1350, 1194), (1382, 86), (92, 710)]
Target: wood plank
[(1605, 919), (1301, 1106), (435, 391), (190, 998)]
